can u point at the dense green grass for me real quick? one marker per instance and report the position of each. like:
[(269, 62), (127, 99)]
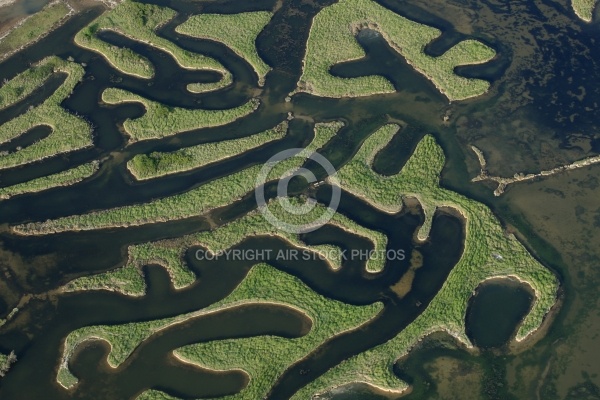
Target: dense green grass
[(139, 22), (34, 27), (485, 241), (264, 284), (211, 86), (195, 202), (169, 253), (129, 279), (236, 31), (266, 358), (488, 253), (155, 395), (148, 166), (584, 8), (68, 131), (332, 41), (25, 83), (420, 173), (161, 121), (64, 178), (255, 224)]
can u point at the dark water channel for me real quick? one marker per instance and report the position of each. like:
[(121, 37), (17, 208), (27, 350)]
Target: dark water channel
[(41, 264)]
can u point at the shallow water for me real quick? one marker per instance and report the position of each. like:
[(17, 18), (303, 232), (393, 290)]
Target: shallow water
[(495, 311), (19, 10)]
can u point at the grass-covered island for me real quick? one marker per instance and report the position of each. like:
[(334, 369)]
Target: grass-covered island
[(584, 9), (488, 253), (205, 87), (25, 83), (170, 253), (194, 202), (139, 22), (35, 27), (63, 178), (332, 41), (237, 31), (69, 132), (263, 284), (148, 166), (161, 121)]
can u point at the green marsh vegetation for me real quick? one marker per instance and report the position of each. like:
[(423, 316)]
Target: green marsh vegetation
[(161, 121), (196, 201), (139, 22), (155, 395), (236, 31), (584, 8), (170, 253), (148, 166), (129, 279), (68, 131), (338, 24), (211, 86), (25, 83), (266, 358), (34, 27), (263, 284), (64, 178), (488, 253), (255, 223)]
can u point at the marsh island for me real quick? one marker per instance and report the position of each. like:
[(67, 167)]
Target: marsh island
[(269, 200)]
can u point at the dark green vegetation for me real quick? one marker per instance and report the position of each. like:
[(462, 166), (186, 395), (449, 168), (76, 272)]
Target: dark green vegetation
[(69, 132), (488, 253), (584, 9), (195, 202), (34, 27), (161, 121), (170, 253), (208, 87), (139, 22), (414, 296), (6, 360), (339, 24), (264, 358), (64, 178), (26, 82), (148, 166), (237, 31)]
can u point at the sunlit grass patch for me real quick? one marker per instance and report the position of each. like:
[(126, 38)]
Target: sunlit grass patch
[(64, 178), (148, 166), (161, 121), (332, 41), (236, 31), (139, 22), (69, 132), (34, 27)]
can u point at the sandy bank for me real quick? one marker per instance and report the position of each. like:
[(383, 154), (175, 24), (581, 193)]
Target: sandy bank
[(6, 2)]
